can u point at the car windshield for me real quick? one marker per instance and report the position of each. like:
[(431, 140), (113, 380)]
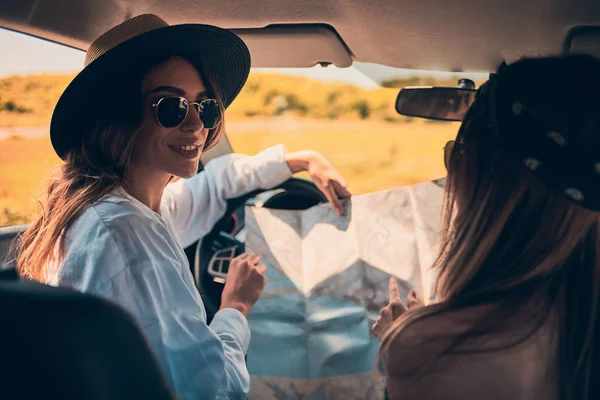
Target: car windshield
[(347, 114)]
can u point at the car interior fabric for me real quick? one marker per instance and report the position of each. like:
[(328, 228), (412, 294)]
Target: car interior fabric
[(79, 346)]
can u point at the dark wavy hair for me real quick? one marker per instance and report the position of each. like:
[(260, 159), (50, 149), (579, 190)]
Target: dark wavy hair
[(511, 240)]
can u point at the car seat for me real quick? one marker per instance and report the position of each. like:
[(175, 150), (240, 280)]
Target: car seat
[(61, 344)]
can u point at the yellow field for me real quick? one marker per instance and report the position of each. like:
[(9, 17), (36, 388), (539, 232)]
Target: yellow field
[(357, 129), (371, 155)]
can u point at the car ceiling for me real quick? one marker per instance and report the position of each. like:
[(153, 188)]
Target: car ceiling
[(448, 35)]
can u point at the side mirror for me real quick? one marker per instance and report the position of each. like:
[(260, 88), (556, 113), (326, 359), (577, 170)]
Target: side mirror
[(437, 103)]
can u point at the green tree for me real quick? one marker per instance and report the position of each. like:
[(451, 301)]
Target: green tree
[(362, 108)]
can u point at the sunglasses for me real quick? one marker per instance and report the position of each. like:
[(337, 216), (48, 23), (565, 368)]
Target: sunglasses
[(448, 149), (172, 111)]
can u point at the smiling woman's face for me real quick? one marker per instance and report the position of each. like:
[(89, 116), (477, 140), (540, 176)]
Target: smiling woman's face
[(172, 151)]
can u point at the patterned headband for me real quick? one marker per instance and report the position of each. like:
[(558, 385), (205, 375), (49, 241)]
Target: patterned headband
[(567, 166)]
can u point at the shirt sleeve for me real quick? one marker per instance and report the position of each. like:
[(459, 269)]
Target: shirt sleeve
[(194, 205), (232, 328), (202, 362)]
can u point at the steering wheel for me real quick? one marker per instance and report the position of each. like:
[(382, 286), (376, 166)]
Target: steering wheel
[(293, 194)]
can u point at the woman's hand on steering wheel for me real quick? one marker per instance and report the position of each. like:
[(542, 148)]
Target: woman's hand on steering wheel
[(323, 174)]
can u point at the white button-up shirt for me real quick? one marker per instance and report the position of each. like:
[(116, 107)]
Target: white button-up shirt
[(121, 250)]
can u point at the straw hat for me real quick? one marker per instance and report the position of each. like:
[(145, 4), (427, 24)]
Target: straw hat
[(222, 54)]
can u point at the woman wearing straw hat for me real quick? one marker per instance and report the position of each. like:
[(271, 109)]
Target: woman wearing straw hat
[(148, 103)]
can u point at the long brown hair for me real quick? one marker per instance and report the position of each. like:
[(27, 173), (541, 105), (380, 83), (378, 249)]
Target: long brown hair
[(95, 169), (509, 239)]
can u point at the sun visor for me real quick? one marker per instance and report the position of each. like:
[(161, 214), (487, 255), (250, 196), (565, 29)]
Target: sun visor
[(584, 39), (295, 46)]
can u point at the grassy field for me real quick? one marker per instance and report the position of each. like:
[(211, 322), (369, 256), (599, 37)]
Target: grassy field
[(357, 129), (370, 155), (25, 164), (28, 101)]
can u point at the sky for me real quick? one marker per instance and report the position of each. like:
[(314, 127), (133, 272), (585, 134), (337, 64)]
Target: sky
[(22, 55)]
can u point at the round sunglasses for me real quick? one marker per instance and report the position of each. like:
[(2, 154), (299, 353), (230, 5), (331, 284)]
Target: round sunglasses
[(448, 148), (172, 111)]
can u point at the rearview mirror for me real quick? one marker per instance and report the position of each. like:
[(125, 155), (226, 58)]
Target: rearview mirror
[(438, 103)]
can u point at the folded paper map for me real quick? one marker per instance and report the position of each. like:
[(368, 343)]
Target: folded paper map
[(327, 280)]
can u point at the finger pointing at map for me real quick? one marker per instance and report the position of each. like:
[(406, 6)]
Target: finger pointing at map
[(394, 291), (394, 309)]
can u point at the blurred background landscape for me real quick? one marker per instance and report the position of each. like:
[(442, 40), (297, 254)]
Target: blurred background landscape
[(356, 128)]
